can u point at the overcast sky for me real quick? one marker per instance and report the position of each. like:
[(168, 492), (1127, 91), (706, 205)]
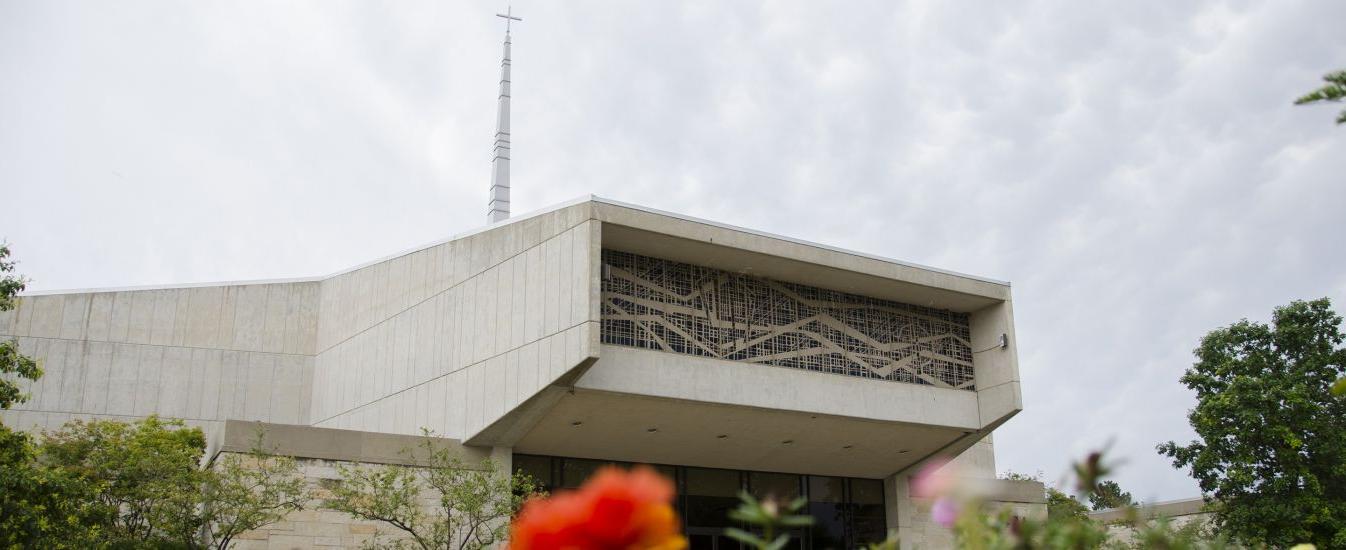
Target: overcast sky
[(1136, 169)]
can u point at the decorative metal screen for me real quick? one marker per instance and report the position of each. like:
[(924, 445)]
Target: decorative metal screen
[(681, 308)]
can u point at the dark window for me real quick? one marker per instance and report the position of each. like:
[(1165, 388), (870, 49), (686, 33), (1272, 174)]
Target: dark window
[(827, 505), (537, 467), (867, 514), (784, 488), (711, 494), (575, 471)]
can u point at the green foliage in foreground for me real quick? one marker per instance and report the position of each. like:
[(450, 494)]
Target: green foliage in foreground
[(1272, 436), (108, 484), (41, 506), (474, 504), (768, 518), (980, 526), (1334, 91), (12, 363), (1068, 526), (139, 474)]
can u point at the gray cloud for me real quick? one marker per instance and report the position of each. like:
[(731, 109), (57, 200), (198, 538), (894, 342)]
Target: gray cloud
[(1135, 169)]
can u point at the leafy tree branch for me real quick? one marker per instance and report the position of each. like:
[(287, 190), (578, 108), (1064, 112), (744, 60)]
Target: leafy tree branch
[(1333, 91)]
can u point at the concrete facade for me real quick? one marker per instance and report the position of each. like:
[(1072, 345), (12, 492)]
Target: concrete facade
[(492, 339), (204, 354), (452, 336)]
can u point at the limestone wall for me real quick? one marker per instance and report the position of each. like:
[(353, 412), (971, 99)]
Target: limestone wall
[(315, 527)]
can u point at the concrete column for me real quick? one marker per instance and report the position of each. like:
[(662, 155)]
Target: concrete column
[(898, 507), (504, 458)]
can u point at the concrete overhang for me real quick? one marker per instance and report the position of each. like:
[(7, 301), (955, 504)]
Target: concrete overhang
[(650, 373), (614, 426), (648, 406)]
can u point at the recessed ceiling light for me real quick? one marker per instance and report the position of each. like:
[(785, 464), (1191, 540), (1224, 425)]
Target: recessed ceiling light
[(721, 436), (576, 423), (787, 442), (651, 430)]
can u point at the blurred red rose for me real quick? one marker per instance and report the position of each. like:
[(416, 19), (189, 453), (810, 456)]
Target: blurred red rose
[(615, 510)]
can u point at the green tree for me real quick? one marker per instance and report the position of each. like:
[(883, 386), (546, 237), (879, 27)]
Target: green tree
[(151, 490), (243, 492), (1110, 495), (1272, 437), (1334, 91), (474, 504), (12, 363), (1063, 506), (42, 507), (146, 473)]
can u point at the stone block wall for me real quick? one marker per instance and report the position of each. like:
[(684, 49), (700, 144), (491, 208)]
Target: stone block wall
[(316, 527)]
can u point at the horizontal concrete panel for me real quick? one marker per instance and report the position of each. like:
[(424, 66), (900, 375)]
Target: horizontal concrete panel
[(333, 444), (135, 380), (676, 376), (269, 318)]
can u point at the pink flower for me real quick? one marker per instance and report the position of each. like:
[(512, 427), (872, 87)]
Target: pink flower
[(930, 481), (944, 512)]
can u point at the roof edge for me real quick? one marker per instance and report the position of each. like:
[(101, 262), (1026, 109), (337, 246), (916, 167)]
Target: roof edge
[(515, 219), (320, 278), (769, 235)]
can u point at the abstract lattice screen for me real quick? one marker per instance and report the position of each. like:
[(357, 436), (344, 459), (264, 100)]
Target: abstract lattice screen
[(682, 308)]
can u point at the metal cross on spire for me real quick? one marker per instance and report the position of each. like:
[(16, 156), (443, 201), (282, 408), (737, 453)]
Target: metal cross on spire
[(509, 16), (498, 209)]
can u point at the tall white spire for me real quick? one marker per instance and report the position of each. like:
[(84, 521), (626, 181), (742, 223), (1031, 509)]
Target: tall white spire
[(499, 205)]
